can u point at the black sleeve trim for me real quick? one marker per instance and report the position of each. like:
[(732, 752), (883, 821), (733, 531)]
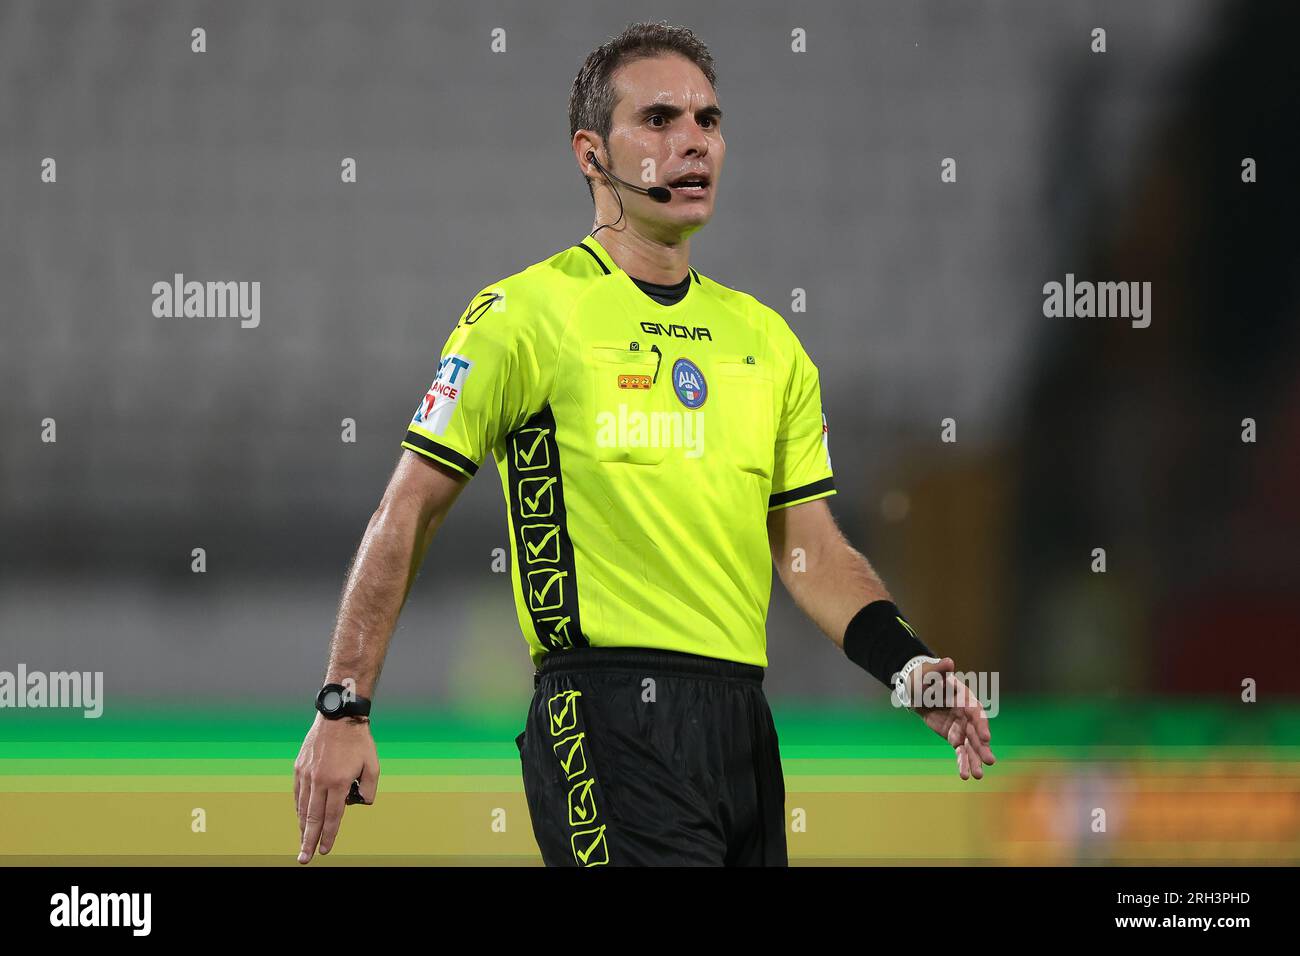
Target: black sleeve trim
[(441, 451), (794, 494)]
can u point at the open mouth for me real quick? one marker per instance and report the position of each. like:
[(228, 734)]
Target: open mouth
[(691, 185)]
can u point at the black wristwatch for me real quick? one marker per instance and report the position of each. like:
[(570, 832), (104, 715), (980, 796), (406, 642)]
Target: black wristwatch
[(333, 703)]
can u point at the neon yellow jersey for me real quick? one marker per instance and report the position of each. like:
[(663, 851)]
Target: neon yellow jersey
[(640, 448)]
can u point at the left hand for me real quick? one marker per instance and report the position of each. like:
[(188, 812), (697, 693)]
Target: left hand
[(961, 721)]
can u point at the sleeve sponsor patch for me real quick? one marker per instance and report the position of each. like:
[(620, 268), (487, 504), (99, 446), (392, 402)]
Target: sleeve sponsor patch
[(440, 401), (826, 434)]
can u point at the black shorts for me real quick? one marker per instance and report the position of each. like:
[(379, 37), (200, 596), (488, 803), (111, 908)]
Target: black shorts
[(639, 757)]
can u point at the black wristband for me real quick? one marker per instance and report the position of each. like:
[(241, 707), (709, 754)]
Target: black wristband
[(878, 641)]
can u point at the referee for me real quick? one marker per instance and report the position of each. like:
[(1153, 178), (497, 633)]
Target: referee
[(661, 443)]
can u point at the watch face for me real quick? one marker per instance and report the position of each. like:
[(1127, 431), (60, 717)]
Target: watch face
[(331, 700)]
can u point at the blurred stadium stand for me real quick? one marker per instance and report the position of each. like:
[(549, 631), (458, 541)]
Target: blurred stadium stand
[(924, 302)]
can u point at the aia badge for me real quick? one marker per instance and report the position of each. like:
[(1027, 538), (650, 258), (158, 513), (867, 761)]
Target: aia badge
[(444, 394), (689, 384)]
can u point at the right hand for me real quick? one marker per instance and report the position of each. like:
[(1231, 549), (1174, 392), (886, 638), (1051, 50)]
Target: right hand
[(333, 754)]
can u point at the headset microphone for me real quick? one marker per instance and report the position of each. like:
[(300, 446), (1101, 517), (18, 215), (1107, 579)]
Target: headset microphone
[(657, 193)]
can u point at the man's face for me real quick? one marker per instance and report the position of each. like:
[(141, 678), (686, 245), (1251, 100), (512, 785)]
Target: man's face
[(666, 128)]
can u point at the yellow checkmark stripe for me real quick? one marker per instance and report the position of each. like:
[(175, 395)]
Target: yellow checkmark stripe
[(535, 497), (573, 758), (582, 804), (557, 628), (589, 847), (546, 589), (532, 451), (544, 566), (541, 542), (563, 708)]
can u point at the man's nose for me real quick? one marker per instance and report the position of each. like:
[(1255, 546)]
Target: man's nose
[(694, 142)]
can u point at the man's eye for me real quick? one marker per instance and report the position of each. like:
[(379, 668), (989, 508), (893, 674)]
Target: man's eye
[(656, 116), (709, 120)]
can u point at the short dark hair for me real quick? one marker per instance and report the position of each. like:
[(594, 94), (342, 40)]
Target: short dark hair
[(591, 102)]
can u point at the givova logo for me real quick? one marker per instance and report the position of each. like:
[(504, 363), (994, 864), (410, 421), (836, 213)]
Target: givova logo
[(75, 908)]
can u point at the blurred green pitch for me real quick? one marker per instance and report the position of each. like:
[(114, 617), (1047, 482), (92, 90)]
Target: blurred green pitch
[(1169, 782)]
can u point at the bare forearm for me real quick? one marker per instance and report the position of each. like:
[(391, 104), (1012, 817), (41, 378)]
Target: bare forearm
[(832, 583), (378, 583)]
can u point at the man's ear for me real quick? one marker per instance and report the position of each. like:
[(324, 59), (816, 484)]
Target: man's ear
[(586, 142)]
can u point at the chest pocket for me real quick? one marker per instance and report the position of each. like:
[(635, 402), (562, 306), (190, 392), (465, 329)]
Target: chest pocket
[(744, 405), (624, 397)]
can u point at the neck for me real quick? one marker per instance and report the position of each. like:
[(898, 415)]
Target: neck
[(644, 257)]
